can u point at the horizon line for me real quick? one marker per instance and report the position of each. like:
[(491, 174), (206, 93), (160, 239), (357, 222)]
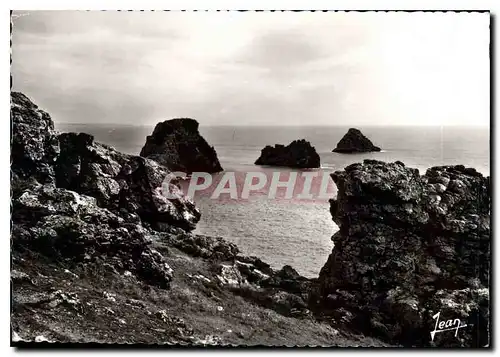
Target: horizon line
[(289, 125)]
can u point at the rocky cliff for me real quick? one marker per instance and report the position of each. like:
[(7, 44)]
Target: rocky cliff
[(410, 246), (298, 154), (178, 145), (354, 141), (78, 200), (99, 255)]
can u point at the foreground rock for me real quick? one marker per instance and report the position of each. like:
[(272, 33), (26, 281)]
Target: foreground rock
[(410, 246), (71, 228), (178, 145), (354, 141), (297, 154), (130, 186), (75, 200)]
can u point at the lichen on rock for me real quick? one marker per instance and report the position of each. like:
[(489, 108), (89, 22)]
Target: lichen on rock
[(402, 241)]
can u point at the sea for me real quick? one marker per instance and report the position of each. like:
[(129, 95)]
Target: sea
[(298, 232)]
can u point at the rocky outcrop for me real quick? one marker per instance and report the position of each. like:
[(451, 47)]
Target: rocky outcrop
[(354, 141), (34, 145), (77, 200), (284, 291), (410, 246), (178, 145), (297, 154), (94, 302), (130, 186), (197, 245), (72, 228)]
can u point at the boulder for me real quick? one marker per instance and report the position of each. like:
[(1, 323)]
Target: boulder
[(406, 246), (297, 154), (355, 141), (178, 145)]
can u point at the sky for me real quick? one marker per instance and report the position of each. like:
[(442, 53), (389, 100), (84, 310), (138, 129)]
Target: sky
[(255, 68)]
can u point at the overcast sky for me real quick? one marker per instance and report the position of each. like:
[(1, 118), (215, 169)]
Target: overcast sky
[(255, 68)]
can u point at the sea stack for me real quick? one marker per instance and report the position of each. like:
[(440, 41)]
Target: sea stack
[(297, 154), (410, 246), (354, 141), (178, 145)]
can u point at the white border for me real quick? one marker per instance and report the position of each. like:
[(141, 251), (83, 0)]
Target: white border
[(493, 5)]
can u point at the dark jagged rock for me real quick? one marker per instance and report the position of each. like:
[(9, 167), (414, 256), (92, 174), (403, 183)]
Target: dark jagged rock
[(67, 226), (128, 184), (297, 154), (254, 263), (249, 276), (34, 145), (76, 199), (215, 248), (178, 145), (289, 280), (284, 290), (410, 246), (355, 141)]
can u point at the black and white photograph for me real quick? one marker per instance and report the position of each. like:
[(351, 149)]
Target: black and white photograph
[(228, 179)]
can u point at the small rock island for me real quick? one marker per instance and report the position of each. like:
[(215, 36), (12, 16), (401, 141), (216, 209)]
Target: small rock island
[(297, 154), (354, 141), (178, 145)]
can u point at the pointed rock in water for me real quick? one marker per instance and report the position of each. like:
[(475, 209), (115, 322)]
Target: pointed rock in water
[(178, 145), (298, 154), (355, 141)]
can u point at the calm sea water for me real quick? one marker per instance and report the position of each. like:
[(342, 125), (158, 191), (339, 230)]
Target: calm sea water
[(299, 233)]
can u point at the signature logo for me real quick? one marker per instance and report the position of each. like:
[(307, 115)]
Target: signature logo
[(448, 325)]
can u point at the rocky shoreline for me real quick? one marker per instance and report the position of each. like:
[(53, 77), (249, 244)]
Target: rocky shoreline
[(99, 255), (410, 246)]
